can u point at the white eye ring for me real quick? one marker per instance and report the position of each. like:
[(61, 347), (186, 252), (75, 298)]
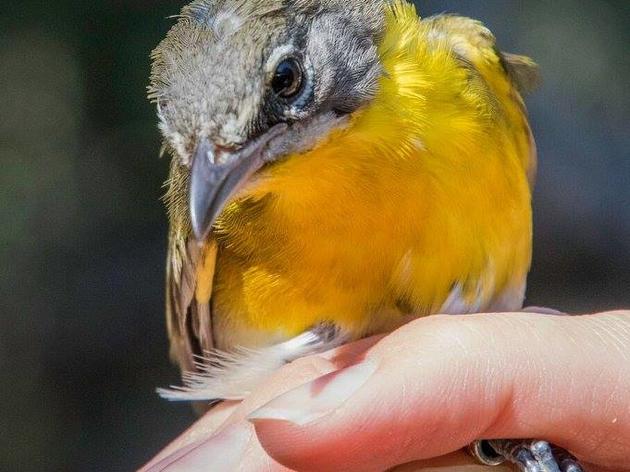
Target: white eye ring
[(295, 108), (277, 56)]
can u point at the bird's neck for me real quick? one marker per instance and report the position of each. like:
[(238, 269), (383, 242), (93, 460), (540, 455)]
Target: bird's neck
[(421, 128), (424, 190)]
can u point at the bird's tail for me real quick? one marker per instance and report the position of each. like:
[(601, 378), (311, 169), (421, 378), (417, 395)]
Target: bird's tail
[(234, 375)]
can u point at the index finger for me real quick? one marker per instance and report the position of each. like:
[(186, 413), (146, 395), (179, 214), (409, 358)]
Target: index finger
[(442, 382), (226, 414)]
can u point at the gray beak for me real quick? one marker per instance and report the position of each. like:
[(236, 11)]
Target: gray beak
[(215, 179), (212, 185)]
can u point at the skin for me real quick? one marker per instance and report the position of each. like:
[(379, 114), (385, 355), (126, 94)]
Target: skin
[(479, 376)]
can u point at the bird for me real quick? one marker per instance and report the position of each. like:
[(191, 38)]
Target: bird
[(337, 166)]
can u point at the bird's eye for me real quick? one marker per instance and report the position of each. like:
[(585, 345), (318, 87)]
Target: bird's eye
[(288, 78)]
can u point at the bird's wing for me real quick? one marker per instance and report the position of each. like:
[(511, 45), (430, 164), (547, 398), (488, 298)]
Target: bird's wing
[(189, 279), (475, 44), (190, 273)]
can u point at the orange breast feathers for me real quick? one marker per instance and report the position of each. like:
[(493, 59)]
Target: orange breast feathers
[(420, 204)]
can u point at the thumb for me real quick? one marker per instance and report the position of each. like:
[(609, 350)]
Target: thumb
[(439, 383)]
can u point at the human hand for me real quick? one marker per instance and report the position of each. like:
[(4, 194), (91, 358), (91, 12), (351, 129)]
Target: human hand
[(426, 390)]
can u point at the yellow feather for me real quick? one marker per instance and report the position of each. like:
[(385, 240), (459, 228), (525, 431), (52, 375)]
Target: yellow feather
[(205, 274), (424, 191)]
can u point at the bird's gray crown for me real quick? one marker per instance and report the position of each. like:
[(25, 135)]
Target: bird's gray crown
[(211, 75)]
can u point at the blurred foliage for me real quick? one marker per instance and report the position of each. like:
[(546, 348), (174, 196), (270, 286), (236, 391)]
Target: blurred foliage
[(82, 341)]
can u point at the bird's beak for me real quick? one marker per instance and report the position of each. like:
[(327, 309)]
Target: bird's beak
[(216, 177)]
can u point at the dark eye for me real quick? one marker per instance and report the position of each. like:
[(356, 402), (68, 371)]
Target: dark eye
[(287, 79)]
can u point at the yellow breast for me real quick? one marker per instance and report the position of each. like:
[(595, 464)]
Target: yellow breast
[(422, 197)]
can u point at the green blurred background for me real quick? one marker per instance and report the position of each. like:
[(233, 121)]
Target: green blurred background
[(82, 337)]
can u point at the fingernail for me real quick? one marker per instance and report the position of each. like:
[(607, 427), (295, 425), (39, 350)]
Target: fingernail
[(220, 453), (318, 398), (543, 311)]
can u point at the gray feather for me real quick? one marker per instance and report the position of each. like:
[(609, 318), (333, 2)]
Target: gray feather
[(211, 74)]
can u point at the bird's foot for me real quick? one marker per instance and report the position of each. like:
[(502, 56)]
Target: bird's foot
[(526, 455)]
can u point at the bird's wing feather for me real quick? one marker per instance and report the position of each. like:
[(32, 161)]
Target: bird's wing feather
[(477, 47), (189, 317), (523, 71), (189, 279), (476, 43)]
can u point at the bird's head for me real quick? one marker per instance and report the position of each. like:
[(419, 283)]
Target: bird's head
[(243, 83)]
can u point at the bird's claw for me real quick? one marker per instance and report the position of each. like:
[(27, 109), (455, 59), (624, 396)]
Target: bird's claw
[(527, 455)]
